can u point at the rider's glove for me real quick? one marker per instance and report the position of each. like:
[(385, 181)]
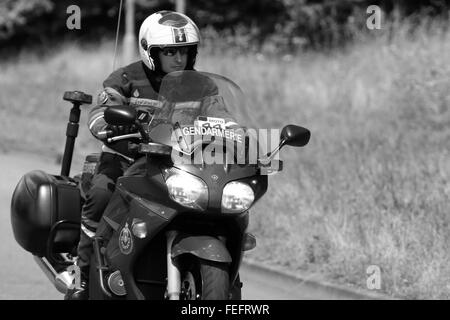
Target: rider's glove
[(122, 130)]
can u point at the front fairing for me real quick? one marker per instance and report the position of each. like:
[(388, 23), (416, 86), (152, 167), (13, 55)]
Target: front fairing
[(130, 205), (200, 118)]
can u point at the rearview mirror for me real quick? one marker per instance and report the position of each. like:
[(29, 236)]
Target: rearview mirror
[(295, 136), (120, 115), (291, 135)]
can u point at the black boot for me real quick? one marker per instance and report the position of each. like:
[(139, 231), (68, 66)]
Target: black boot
[(81, 293)]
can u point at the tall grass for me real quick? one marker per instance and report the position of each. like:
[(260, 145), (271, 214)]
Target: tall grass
[(33, 115), (371, 188), (373, 185)]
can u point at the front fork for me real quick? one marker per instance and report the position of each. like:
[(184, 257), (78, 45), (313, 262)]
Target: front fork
[(173, 274)]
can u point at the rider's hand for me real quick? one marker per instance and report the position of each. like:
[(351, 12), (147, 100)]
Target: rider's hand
[(232, 125), (122, 130)]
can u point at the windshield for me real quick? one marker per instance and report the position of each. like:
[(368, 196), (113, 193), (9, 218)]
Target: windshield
[(197, 106)]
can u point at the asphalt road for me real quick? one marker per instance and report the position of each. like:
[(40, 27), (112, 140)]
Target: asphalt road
[(22, 279)]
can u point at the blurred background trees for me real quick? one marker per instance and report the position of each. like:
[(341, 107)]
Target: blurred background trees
[(255, 25)]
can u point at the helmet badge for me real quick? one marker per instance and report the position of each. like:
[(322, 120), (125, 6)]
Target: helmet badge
[(179, 35)]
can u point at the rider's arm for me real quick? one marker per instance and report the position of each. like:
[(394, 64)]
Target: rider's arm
[(112, 94)]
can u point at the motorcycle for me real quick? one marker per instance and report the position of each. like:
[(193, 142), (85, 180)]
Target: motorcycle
[(176, 225)]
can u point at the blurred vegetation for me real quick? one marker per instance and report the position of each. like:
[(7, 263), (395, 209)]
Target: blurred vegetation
[(255, 25)]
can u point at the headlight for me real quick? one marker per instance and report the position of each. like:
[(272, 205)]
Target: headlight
[(187, 190), (237, 197)]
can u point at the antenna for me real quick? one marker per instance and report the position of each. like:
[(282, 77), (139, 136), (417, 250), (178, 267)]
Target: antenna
[(117, 35), (180, 6), (129, 41)]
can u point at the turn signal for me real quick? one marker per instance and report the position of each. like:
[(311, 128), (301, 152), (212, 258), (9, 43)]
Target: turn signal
[(249, 242), (139, 229)]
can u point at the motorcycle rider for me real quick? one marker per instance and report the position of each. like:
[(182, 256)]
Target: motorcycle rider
[(167, 42)]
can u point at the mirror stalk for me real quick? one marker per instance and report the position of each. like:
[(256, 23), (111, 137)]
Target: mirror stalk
[(268, 157)]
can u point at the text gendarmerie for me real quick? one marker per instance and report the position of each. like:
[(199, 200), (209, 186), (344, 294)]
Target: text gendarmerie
[(217, 132)]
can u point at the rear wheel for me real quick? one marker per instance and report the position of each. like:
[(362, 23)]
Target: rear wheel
[(204, 280)]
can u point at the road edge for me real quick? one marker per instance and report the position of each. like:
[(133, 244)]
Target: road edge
[(328, 287)]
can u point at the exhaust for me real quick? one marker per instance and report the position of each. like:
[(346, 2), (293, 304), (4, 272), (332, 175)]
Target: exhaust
[(62, 281)]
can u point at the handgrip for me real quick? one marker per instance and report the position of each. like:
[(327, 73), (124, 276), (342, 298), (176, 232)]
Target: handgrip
[(102, 135)]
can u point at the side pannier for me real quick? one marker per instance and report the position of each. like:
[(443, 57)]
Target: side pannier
[(46, 210)]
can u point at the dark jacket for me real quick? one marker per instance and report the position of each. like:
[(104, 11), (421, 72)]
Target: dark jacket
[(133, 85)]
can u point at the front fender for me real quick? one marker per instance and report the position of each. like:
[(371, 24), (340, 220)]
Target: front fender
[(204, 247)]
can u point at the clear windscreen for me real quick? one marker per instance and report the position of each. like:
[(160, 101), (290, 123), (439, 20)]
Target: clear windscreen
[(196, 107)]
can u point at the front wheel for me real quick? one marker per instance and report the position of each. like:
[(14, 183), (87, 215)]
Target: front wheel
[(204, 280)]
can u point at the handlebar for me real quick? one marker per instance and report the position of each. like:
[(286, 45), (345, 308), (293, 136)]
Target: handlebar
[(108, 135), (125, 136)]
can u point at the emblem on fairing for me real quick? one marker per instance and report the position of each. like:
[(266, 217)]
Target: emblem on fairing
[(125, 240)]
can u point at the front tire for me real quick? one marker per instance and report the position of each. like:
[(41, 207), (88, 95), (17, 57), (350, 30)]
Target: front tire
[(216, 281), (204, 280)]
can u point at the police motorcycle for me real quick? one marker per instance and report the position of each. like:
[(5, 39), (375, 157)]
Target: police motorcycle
[(175, 227)]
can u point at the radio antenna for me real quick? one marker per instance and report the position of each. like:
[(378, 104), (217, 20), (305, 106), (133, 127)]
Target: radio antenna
[(117, 36)]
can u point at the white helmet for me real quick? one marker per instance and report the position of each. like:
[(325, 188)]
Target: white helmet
[(166, 28)]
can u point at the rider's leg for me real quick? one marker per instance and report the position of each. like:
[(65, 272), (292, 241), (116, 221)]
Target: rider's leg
[(110, 167)]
